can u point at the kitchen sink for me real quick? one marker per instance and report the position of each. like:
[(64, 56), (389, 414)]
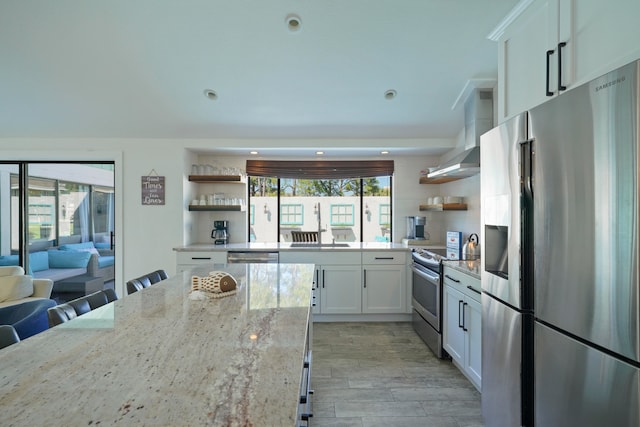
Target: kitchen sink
[(318, 245)]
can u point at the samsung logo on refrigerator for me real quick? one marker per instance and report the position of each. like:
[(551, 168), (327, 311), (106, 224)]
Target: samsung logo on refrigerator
[(611, 83)]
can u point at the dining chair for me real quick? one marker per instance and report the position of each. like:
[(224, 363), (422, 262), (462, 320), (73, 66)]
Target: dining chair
[(8, 336)]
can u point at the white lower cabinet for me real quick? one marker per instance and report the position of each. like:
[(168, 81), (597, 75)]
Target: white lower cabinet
[(340, 289), (384, 286), (336, 282), (356, 282), (462, 335)]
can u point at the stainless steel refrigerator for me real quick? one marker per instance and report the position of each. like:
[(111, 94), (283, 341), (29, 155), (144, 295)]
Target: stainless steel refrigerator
[(560, 269)]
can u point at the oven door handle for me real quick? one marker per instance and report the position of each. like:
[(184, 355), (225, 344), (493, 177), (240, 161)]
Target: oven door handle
[(432, 277)]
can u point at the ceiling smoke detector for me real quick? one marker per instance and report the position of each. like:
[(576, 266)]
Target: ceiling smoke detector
[(211, 94), (390, 94), (294, 23)]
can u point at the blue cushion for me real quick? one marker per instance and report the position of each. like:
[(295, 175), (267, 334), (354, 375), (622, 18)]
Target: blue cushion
[(76, 246), (9, 260), (99, 245), (69, 259), (39, 261), (105, 261)]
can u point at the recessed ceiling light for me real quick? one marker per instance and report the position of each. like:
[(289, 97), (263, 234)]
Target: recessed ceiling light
[(384, 152), (319, 152), (253, 152), (390, 94), (210, 94), (294, 23)]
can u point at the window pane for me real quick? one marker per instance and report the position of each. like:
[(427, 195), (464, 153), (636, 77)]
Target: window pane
[(377, 209), (103, 214), (41, 217), (263, 193), (9, 209), (74, 210)]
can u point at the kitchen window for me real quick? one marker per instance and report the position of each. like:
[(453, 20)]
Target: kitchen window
[(340, 207)]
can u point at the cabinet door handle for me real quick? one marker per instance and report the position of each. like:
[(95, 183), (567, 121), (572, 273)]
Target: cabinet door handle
[(471, 288), (323, 278), (460, 322), (384, 257), (365, 277), (451, 278), (549, 53), (316, 281), (200, 257), (464, 322), (560, 86)]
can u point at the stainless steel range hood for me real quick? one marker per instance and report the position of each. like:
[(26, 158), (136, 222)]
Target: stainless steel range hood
[(478, 111)]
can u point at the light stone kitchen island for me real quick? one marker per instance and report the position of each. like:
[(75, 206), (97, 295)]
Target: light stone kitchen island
[(158, 358)]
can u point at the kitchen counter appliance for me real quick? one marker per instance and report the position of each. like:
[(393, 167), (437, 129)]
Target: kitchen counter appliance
[(415, 227), (220, 232), (265, 257), (426, 270), (560, 265)]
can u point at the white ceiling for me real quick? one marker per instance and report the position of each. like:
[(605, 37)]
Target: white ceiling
[(139, 68)]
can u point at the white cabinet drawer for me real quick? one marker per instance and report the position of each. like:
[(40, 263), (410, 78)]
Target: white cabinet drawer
[(334, 257), (203, 257), (384, 257), (464, 283)]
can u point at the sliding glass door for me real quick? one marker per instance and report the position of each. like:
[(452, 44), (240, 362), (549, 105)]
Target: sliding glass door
[(44, 205)]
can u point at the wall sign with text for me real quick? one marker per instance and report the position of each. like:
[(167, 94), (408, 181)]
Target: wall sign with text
[(153, 190)]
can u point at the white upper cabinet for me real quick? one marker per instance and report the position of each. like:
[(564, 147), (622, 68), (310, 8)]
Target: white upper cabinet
[(606, 35), (526, 60), (546, 47)]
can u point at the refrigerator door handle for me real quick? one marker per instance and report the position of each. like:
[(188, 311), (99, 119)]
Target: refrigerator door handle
[(549, 53), (526, 167), (527, 154), (561, 87)]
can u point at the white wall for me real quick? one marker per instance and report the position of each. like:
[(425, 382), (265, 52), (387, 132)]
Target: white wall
[(146, 235)]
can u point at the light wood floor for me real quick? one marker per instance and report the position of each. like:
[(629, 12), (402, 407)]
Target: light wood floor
[(382, 374)]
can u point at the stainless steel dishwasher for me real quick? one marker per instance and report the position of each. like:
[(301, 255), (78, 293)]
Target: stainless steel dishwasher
[(235, 257)]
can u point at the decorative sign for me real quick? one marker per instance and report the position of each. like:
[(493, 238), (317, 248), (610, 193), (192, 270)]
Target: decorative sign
[(153, 190)]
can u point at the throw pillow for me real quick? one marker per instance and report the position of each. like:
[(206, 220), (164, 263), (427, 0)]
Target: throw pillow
[(83, 247), (13, 288), (68, 259), (39, 261)]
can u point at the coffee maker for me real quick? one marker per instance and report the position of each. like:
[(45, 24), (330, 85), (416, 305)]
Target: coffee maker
[(220, 232), (415, 227)]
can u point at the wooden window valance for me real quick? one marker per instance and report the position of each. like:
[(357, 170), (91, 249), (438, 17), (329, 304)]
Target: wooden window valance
[(320, 169)]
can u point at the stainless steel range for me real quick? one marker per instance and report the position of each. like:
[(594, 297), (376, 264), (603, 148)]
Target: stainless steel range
[(427, 297)]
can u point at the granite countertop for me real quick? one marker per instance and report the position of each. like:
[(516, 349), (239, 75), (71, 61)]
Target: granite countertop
[(158, 358), (472, 268), (288, 246)]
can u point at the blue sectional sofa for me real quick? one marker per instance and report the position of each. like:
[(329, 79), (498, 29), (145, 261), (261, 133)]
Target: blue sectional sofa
[(68, 261), (58, 265), (101, 265)]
